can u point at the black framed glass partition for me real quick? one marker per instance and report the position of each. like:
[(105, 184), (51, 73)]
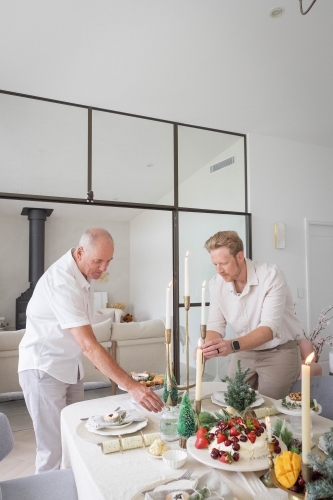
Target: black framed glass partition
[(175, 184)]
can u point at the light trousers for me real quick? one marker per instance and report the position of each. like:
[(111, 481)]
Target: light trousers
[(45, 397), (272, 371)]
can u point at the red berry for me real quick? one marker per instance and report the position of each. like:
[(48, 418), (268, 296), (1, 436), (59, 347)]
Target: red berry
[(236, 446), (277, 450), (228, 442)]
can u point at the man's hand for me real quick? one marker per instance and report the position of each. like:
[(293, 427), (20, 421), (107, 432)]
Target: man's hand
[(146, 398), (217, 347)]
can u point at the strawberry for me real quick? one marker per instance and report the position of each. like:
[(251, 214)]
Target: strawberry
[(233, 431), (202, 431), (221, 437), (226, 458), (251, 436), (201, 442)]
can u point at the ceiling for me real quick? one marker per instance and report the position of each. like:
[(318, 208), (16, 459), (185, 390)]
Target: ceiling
[(223, 64)]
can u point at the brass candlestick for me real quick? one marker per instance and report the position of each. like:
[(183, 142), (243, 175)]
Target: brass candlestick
[(265, 478), (187, 385)]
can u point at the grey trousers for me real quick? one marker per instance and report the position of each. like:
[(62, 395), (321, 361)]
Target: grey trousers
[(45, 397), (272, 371)]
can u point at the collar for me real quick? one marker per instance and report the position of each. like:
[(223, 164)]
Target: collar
[(251, 278), (81, 280)]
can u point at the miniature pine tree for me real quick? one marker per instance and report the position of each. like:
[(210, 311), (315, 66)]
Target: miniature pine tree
[(186, 421), (323, 487), (173, 393), (239, 393)]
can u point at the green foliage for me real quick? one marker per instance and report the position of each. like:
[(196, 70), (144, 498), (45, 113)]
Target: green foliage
[(186, 422), (207, 419), (287, 437), (239, 393), (173, 392), (278, 426), (322, 488)]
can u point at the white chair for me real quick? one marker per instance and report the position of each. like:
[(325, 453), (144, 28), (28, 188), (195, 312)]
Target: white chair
[(53, 485)]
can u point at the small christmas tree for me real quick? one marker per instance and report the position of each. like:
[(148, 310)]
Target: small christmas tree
[(173, 393), (239, 393), (186, 422), (323, 487)]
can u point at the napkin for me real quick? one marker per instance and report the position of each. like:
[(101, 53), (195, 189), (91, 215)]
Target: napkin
[(212, 480), (97, 421)]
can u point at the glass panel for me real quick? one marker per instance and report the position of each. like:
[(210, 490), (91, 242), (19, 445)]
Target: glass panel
[(194, 231), (43, 148), (211, 170), (132, 159)]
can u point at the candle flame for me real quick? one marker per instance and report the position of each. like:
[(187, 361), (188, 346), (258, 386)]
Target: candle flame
[(187, 253), (268, 420), (204, 284), (170, 284), (309, 359)]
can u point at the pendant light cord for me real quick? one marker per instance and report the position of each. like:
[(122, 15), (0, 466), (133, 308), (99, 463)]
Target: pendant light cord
[(307, 10)]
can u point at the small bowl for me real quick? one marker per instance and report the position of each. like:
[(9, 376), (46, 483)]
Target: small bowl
[(174, 458)]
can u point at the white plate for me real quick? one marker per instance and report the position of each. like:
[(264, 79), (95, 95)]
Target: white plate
[(321, 445), (259, 400), (151, 455), (124, 429), (296, 411), (203, 456)]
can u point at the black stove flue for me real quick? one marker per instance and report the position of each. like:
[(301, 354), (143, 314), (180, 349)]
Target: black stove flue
[(37, 218)]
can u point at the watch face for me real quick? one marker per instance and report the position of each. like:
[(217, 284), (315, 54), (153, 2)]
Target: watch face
[(236, 345)]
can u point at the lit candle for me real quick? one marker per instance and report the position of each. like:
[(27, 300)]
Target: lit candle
[(306, 421), (167, 309), (203, 304), (198, 381), (269, 429), (187, 283)]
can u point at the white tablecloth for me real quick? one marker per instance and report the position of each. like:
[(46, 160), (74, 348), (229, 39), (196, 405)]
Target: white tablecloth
[(120, 476)]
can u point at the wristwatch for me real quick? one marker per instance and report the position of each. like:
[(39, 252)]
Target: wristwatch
[(235, 345)]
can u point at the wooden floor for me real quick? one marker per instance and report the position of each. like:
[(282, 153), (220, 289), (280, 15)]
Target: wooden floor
[(21, 461)]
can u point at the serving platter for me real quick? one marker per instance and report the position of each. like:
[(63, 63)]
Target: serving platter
[(295, 411), (203, 456)]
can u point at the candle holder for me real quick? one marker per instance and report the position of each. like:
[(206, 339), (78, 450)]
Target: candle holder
[(203, 330), (266, 478), (197, 411)]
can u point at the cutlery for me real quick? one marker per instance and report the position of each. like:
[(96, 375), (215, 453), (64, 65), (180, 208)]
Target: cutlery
[(87, 418), (186, 475)]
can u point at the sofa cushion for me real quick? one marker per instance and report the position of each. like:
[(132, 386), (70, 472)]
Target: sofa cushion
[(142, 329), (102, 331), (9, 341)]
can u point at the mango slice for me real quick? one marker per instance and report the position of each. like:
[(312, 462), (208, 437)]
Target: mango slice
[(287, 468)]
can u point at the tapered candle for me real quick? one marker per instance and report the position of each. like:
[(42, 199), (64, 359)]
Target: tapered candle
[(269, 429), (187, 283), (167, 308), (203, 303), (306, 419), (198, 380)]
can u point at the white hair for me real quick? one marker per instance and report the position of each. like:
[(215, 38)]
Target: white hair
[(89, 238)]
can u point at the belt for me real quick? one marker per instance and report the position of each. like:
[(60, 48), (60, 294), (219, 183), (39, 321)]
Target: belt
[(281, 347)]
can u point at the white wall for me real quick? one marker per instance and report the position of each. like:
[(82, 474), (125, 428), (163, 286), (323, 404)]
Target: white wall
[(60, 235), (288, 181), (150, 263)]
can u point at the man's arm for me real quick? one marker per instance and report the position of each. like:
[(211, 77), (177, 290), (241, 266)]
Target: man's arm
[(251, 340), (85, 337)]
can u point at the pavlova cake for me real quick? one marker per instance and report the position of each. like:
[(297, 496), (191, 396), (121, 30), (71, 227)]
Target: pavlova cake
[(235, 439)]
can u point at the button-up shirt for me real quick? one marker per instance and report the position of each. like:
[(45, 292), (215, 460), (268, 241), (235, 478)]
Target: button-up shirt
[(63, 298), (266, 300)]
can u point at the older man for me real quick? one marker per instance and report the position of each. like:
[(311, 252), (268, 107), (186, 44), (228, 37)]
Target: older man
[(58, 331), (255, 300)]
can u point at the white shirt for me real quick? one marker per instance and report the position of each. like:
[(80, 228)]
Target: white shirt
[(265, 301), (62, 299)]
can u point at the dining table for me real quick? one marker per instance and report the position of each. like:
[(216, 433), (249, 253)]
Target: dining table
[(124, 474)]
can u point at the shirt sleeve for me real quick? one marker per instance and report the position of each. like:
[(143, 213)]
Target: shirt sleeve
[(216, 319), (274, 302), (69, 307)]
